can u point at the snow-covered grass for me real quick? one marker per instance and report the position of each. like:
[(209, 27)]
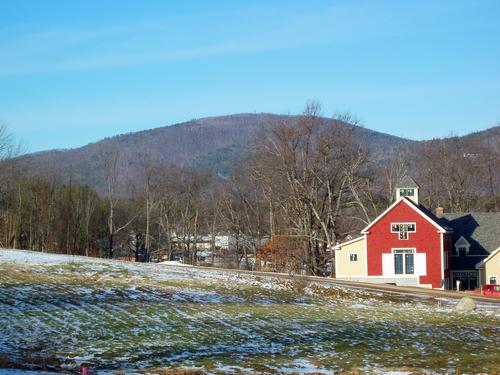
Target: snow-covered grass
[(63, 313)]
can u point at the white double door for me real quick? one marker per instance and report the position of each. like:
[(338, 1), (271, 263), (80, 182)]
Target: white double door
[(404, 263)]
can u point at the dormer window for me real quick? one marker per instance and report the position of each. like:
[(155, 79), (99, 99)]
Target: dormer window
[(462, 251), (462, 247)]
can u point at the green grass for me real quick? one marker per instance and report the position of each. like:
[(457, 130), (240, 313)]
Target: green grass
[(111, 317)]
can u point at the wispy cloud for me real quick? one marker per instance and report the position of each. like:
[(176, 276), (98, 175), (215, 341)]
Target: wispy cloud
[(167, 40)]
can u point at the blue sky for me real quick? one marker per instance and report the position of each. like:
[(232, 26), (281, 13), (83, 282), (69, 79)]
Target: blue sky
[(74, 72)]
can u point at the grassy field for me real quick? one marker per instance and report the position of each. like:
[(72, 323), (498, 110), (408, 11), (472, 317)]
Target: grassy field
[(59, 313)]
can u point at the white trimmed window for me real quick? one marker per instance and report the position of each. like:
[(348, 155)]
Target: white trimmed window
[(403, 229), (353, 257), (404, 262), (406, 192)]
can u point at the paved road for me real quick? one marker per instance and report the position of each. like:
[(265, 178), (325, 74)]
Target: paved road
[(406, 290), (430, 293)]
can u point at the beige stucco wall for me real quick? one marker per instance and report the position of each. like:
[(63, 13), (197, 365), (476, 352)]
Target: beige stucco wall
[(492, 268), (344, 267)]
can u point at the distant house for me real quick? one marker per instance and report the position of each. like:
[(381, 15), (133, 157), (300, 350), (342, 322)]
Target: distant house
[(410, 245), (489, 268), (476, 235), (222, 250)]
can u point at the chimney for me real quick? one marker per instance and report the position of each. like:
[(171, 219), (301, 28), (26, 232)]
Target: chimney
[(439, 212)]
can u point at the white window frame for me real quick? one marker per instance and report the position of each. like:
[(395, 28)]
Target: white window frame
[(407, 232), (403, 192), (404, 251), (353, 257), (420, 264), (404, 223)]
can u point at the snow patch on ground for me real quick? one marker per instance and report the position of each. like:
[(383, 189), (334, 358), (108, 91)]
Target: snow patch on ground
[(358, 306), (122, 315), (174, 263)]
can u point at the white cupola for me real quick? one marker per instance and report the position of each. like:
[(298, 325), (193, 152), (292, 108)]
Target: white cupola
[(408, 188)]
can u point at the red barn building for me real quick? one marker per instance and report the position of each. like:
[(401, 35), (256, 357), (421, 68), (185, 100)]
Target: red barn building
[(409, 245)]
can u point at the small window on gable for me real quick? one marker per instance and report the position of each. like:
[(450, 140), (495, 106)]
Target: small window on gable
[(403, 229), (353, 257), (462, 251)]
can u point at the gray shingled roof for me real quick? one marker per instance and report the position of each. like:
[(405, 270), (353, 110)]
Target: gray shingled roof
[(441, 221), (407, 182), (480, 229)]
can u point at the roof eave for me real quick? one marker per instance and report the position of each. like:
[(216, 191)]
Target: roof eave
[(337, 247), (415, 207)]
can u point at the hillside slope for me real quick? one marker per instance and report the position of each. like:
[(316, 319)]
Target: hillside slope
[(64, 312), (210, 142)]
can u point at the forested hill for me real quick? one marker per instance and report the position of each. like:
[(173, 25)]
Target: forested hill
[(211, 143)]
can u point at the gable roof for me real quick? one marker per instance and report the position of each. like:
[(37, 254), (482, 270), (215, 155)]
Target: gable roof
[(488, 258), (480, 229), (339, 246), (424, 212), (432, 216), (407, 182), (462, 242)]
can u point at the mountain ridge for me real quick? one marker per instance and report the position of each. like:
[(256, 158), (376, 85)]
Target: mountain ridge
[(191, 123), (209, 142)]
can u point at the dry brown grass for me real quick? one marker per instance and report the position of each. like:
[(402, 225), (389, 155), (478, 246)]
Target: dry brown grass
[(299, 285), (49, 363)]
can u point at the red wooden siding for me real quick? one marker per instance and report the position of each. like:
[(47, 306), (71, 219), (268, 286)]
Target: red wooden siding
[(448, 248), (426, 239)]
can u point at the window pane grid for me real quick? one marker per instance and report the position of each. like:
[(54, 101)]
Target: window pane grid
[(404, 251), (409, 263), (404, 262), (398, 264), (406, 192)]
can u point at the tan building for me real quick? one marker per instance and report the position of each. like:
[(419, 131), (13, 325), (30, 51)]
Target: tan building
[(350, 259), (489, 268)]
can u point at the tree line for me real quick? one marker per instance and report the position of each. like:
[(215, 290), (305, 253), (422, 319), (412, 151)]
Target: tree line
[(302, 187)]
